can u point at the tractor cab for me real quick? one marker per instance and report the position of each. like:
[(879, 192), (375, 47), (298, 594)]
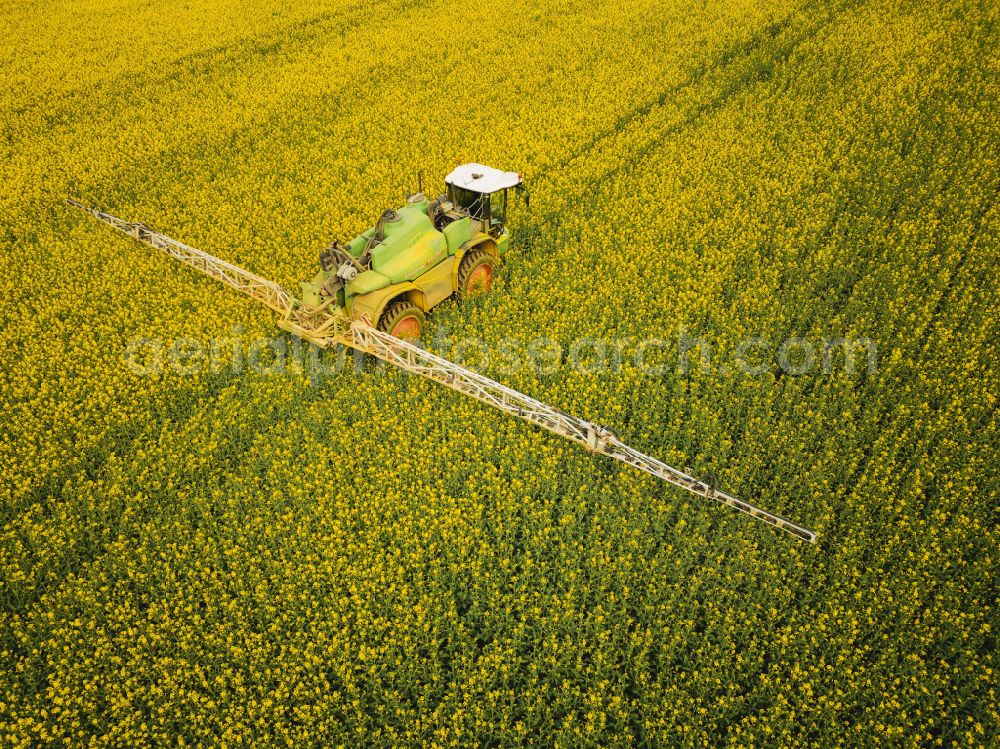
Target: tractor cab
[(481, 192)]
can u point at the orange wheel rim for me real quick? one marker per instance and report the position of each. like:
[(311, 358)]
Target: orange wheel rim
[(408, 327), (480, 279)]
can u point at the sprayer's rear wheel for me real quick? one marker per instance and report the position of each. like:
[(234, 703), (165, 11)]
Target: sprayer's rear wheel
[(475, 274), (402, 319)]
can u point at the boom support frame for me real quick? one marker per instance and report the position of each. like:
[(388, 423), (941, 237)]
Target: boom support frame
[(325, 327)]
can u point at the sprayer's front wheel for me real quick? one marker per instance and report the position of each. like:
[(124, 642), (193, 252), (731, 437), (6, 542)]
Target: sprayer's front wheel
[(402, 319), (475, 274)]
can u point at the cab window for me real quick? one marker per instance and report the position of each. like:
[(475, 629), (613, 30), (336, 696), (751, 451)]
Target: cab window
[(473, 203)]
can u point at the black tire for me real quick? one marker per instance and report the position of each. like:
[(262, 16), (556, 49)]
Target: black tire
[(398, 312), (469, 273)]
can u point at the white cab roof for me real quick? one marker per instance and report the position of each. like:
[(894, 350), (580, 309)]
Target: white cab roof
[(481, 178)]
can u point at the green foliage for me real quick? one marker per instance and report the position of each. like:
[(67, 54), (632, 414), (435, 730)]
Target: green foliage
[(235, 557)]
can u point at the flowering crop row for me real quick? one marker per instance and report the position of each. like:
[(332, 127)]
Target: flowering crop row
[(224, 556)]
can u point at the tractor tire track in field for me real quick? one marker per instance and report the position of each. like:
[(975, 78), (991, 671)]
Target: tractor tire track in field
[(856, 201), (723, 60), (51, 497), (918, 180), (753, 62), (108, 98), (90, 544), (119, 439)]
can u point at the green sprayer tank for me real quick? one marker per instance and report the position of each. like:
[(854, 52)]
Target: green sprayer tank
[(418, 255)]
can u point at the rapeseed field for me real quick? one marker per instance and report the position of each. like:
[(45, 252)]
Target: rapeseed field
[(204, 553)]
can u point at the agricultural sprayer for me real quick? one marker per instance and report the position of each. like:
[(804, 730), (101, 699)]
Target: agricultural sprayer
[(372, 294)]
